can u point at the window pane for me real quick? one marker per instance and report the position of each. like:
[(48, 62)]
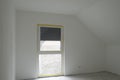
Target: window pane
[(50, 45), (50, 34), (49, 64)]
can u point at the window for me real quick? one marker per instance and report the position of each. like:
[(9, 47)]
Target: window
[(51, 50), (50, 64), (50, 39)]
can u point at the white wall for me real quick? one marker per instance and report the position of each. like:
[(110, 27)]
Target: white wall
[(0, 45), (0, 39), (83, 52), (113, 58), (7, 16)]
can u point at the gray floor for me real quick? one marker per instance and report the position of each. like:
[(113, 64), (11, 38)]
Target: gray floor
[(90, 76)]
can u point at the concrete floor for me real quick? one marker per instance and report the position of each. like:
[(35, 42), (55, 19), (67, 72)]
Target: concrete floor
[(90, 76)]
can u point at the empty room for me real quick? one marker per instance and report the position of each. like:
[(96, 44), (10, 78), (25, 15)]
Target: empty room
[(59, 40)]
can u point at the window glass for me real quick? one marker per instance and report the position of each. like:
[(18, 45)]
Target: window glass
[(50, 64), (50, 39), (50, 45)]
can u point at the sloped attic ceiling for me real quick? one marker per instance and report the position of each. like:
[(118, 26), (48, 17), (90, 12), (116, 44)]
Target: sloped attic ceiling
[(102, 17), (54, 6)]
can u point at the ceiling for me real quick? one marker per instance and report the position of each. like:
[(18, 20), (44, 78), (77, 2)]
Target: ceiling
[(102, 17), (54, 6)]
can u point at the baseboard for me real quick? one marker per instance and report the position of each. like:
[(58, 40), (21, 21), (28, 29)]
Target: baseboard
[(84, 73)]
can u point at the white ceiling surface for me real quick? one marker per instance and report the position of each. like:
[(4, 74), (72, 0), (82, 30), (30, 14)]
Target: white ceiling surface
[(102, 17), (54, 6)]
